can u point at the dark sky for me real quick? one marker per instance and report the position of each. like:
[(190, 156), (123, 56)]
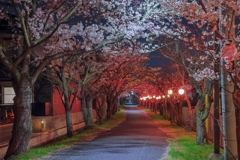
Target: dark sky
[(157, 60)]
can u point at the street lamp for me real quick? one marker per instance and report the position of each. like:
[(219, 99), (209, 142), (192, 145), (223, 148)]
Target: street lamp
[(181, 91), (170, 92)]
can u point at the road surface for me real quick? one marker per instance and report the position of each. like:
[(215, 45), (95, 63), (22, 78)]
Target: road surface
[(137, 138)]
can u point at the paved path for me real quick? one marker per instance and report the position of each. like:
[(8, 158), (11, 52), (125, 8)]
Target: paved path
[(137, 138)]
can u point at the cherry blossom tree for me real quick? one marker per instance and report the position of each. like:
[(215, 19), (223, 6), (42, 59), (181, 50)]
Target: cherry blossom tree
[(121, 79), (202, 81), (63, 75), (215, 25), (72, 76), (100, 106), (48, 30), (92, 70), (165, 79)]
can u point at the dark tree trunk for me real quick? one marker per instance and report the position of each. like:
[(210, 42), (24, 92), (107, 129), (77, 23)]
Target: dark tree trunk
[(84, 110), (114, 110), (179, 115), (98, 109), (86, 106), (68, 114), (89, 111), (101, 120), (69, 122), (109, 109), (200, 123), (200, 131), (22, 127), (109, 113)]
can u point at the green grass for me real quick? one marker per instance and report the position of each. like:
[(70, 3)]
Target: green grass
[(64, 142), (182, 144), (185, 148)]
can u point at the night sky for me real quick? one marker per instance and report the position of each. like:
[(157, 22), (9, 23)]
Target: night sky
[(157, 60)]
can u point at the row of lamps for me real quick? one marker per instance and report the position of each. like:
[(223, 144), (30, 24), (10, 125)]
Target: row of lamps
[(180, 91)]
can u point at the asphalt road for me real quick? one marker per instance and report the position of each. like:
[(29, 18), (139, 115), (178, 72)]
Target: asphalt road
[(137, 138)]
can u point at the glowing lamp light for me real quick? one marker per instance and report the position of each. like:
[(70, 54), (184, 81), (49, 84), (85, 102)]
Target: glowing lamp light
[(170, 92), (163, 96), (181, 91)]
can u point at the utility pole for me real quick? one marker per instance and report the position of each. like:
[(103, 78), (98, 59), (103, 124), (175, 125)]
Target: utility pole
[(216, 114), (227, 88)]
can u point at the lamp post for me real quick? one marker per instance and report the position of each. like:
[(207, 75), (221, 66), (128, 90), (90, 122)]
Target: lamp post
[(170, 92), (181, 91)]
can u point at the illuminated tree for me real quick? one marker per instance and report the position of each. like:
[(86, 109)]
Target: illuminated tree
[(197, 23), (45, 31), (121, 79)]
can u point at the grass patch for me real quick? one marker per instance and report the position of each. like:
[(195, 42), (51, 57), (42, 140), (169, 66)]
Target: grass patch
[(185, 148), (64, 142), (182, 143)]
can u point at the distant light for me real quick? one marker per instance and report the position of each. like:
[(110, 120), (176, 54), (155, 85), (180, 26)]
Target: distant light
[(170, 91), (181, 91)]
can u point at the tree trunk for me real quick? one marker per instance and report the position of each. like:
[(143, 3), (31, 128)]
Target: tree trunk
[(114, 110), (199, 123), (68, 113), (69, 122), (200, 131), (103, 108), (109, 110), (84, 110), (22, 126), (89, 111), (109, 113)]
